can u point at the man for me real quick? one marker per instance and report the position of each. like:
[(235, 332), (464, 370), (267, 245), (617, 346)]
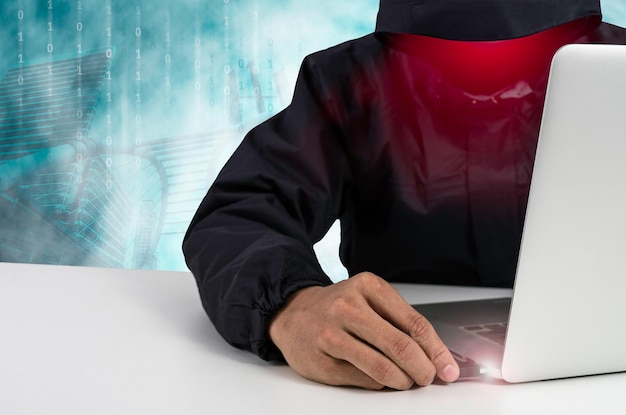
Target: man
[(420, 138)]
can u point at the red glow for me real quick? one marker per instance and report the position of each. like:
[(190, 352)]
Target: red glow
[(488, 66)]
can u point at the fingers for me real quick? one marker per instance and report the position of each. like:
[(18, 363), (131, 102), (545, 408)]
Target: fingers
[(415, 347), (424, 334), (342, 373), (368, 361), (401, 350)]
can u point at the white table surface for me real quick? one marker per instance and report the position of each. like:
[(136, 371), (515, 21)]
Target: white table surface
[(84, 341)]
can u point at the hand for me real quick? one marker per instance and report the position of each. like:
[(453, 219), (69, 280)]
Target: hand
[(360, 332)]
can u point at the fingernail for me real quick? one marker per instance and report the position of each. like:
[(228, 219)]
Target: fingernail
[(450, 373)]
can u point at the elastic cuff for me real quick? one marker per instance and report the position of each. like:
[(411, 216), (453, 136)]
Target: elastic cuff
[(264, 347)]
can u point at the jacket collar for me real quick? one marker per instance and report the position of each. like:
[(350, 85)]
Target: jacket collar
[(477, 20)]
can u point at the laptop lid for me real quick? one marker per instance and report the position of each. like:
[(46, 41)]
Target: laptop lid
[(565, 318), (569, 300)]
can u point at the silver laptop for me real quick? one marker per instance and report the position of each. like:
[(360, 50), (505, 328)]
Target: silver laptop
[(567, 316)]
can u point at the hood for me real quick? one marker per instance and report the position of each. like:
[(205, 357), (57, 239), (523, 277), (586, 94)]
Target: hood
[(476, 20)]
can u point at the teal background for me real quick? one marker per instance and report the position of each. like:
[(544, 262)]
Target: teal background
[(178, 85)]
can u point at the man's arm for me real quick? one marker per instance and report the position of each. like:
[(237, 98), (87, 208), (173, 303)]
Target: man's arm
[(250, 244), (250, 247)]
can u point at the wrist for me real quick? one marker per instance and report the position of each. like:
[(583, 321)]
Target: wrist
[(279, 322)]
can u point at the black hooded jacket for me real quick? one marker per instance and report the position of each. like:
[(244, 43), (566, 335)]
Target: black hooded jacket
[(419, 137)]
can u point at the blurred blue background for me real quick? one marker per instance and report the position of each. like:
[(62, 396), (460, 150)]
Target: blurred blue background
[(116, 115)]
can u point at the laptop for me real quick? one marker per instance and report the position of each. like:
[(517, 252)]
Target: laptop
[(566, 316)]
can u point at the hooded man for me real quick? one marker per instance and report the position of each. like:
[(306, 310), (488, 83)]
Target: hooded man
[(420, 139)]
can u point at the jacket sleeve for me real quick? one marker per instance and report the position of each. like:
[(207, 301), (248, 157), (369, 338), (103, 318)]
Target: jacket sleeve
[(250, 244)]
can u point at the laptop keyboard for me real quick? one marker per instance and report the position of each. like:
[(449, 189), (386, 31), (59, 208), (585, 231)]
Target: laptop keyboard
[(494, 332)]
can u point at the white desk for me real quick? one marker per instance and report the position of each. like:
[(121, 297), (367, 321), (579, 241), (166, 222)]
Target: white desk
[(84, 341)]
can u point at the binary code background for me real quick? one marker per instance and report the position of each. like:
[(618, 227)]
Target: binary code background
[(116, 115)]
